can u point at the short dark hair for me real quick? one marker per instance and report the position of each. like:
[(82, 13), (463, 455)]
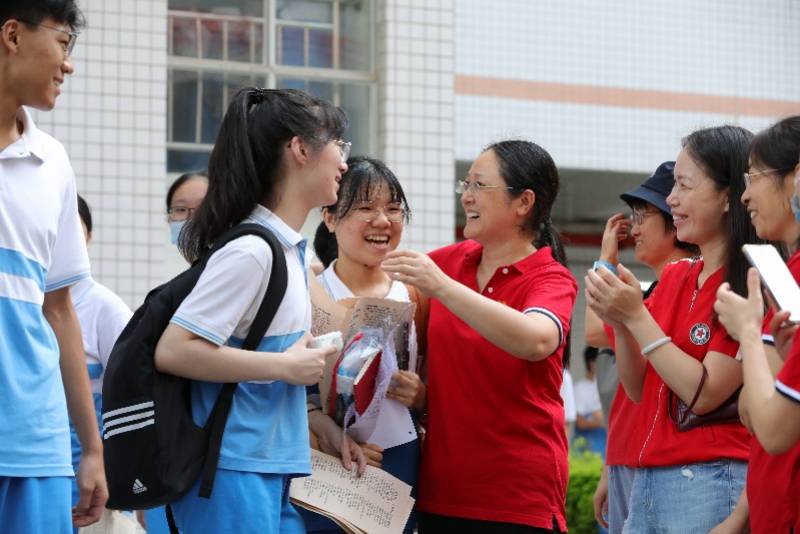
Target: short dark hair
[(182, 179), (35, 11), (85, 214), (589, 355)]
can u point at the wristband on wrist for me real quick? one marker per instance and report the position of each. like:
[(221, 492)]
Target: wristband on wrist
[(650, 347), (603, 263)]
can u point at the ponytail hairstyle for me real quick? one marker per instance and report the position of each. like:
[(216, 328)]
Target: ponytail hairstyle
[(526, 165), (722, 153), (244, 167), (363, 180)]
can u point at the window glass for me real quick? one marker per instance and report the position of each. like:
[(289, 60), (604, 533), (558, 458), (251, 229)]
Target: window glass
[(211, 37), (250, 8), (356, 101), (305, 10), (187, 160), (354, 40), (291, 46), (240, 37), (183, 105), (184, 37), (320, 48), (214, 106)]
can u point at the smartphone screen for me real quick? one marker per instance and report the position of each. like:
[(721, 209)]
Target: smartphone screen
[(776, 277)]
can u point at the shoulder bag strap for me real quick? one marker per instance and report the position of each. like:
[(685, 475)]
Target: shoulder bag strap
[(276, 289)]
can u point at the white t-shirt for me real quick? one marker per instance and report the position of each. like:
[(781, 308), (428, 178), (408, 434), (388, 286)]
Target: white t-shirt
[(587, 398), (41, 249), (568, 396), (102, 316), (395, 425)]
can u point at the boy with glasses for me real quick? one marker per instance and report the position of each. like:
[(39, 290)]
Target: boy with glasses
[(41, 255)]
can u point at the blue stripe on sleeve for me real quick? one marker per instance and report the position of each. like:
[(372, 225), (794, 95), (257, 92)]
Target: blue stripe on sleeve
[(66, 282), (14, 262), (202, 332)]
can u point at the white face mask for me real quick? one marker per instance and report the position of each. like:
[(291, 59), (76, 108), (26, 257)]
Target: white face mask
[(175, 228)]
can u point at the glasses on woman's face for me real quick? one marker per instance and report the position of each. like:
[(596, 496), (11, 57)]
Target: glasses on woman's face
[(462, 186), (394, 213), (748, 176), (68, 46), (344, 148), (639, 215), (179, 213)]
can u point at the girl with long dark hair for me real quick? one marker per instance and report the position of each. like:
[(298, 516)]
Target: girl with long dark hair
[(278, 155), (495, 453)]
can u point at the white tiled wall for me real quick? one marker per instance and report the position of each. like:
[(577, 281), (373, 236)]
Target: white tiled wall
[(715, 48), (415, 53), (112, 119)]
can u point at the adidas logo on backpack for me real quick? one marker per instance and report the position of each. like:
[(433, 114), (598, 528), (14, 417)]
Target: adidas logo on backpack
[(138, 487), (149, 433)]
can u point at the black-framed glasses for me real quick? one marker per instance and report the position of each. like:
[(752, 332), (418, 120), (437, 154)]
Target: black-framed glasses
[(748, 176), (180, 213), (73, 36), (462, 186)]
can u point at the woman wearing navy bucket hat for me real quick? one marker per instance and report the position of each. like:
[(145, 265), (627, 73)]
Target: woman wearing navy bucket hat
[(656, 244)]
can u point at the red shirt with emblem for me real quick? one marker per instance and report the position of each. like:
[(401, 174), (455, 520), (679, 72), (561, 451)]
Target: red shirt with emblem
[(495, 448), (773, 482), (686, 314)]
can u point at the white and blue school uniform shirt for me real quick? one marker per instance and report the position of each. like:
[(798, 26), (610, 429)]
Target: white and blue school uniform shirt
[(41, 249), (267, 429), (102, 316)]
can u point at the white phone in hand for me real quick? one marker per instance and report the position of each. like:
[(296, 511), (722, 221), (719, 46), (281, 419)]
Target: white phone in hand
[(776, 278)]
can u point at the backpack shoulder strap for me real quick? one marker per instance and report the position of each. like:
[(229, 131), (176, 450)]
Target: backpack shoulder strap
[(420, 321), (276, 289)]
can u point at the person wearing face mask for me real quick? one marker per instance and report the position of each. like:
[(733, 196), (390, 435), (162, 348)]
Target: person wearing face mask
[(773, 478), (656, 245), (183, 197)]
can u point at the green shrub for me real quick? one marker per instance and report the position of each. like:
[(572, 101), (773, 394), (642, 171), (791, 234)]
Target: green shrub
[(585, 468)]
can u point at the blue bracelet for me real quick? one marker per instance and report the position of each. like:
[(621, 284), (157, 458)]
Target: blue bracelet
[(603, 263)]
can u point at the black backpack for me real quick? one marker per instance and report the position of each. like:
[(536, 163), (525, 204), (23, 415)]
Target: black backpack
[(153, 450)]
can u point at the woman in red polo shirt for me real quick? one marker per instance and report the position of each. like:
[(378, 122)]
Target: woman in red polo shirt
[(687, 481), (495, 455), (773, 481)]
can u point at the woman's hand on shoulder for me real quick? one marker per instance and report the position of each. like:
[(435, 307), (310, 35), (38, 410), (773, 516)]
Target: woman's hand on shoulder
[(407, 389), (615, 299), (417, 269)]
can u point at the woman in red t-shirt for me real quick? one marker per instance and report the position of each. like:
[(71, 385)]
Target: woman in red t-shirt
[(773, 480), (686, 481), (495, 454)]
